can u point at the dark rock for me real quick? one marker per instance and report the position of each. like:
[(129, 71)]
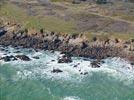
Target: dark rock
[(84, 73), (8, 58), (52, 33), (2, 49), (95, 64), (76, 65), (117, 40), (56, 41), (52, 60), (132, 63), (52, 51), (64, 59), (23, 57), (67, 53), (17, 52), (35, 57), (56, 71), (102, 61)]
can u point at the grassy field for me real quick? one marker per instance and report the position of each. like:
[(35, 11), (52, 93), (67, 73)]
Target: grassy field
[(16, 14), (19, 15), (104, 36)]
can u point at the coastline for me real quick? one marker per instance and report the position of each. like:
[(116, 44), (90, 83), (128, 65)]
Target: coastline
[(73, 45)]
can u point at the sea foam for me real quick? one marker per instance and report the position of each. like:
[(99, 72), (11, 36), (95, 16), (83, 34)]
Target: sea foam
[(42, 67)]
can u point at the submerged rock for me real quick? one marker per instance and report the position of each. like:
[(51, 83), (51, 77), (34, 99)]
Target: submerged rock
[(76, 65), (84, 73), (56, 71), (52, 60), (23, 57), (17, 52)]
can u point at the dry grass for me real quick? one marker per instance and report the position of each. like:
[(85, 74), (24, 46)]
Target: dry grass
[(51, 23), (19, 15)]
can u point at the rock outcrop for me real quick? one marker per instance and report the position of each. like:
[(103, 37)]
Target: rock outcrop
[(64, 59), (74, 45)]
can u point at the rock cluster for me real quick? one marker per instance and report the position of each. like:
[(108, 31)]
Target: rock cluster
[(8, 58), (13, 58)]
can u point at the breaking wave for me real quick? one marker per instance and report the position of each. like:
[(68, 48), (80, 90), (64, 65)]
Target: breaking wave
[(42, 68)]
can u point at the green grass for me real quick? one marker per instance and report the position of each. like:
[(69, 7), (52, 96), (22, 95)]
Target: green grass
[(13, 13)]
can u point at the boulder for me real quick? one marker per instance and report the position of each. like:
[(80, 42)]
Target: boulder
[(64, 59), (95, 64), (56, 71), (23, 57)]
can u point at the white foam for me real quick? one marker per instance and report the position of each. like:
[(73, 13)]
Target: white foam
[(43, 67), (71, 98)]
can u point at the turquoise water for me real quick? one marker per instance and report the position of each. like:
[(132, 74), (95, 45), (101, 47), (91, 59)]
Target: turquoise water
[(33, 80)]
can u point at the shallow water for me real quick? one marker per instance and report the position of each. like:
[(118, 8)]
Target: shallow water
[(33, 80)]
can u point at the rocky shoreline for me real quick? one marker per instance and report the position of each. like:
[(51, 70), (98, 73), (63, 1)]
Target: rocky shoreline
[(71, 45)]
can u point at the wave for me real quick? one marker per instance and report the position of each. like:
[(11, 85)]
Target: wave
[(71, 98), (42, 67)]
